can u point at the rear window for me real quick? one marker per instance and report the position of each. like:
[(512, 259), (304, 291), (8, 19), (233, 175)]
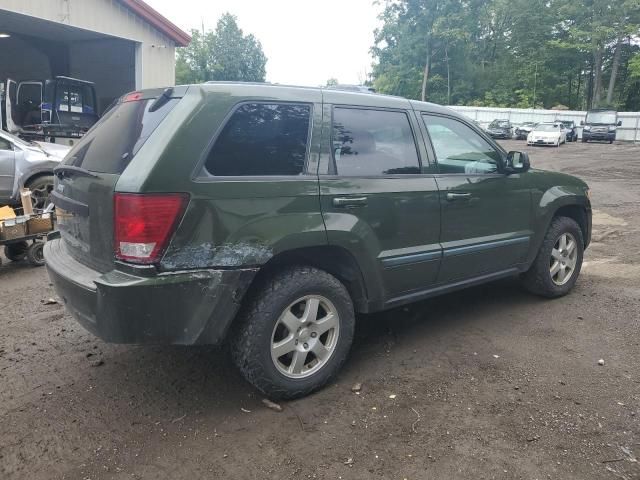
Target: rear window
[(262, 139), (113, 142), (373, 142)]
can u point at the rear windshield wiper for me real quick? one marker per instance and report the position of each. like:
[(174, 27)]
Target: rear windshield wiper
[(161, 100), (70, 169)]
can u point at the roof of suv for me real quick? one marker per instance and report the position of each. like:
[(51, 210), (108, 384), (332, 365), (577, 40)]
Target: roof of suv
[(259, 89)]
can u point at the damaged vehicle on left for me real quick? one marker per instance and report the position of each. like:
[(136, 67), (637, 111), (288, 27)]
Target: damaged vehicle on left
[(27, 164)]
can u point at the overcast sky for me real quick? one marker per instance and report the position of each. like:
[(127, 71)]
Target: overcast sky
[(306, 42)]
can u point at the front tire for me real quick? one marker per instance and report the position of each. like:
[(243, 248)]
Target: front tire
[(557, 266), (294, 333), (41, 189)]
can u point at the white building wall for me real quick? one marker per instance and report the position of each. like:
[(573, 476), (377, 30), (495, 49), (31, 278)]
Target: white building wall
[(629, 131), (109, 17)]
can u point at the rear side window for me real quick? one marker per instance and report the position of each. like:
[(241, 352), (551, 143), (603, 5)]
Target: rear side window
[(373, 142), (113, 142), (262, 139)]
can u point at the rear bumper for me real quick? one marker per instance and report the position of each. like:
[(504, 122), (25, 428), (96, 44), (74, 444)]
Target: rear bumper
[(184, 308)]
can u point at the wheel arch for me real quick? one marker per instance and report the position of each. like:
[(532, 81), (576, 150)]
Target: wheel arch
[(579, 214), (34, 175), (334, 260)]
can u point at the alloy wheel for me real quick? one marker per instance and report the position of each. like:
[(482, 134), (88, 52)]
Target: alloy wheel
[(305, 336), (40, 195), (564, 256)]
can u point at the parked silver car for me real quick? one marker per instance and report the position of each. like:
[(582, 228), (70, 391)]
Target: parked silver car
[(27, 164)]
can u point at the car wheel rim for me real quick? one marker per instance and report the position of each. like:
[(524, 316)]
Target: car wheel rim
[(40, 195), (305, 336), (564, 258)]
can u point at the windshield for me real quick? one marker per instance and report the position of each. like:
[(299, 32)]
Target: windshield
[(547, 127), (568, 124), (608, 118), (499, 124)]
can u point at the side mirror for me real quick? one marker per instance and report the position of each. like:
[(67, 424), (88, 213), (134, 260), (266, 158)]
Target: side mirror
[(518, 162), (582, 123), (619, 123)]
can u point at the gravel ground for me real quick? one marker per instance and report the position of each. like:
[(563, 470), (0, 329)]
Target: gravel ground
[(485, 383)]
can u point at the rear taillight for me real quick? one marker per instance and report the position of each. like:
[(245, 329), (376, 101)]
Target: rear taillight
[(132, 97), (144, 223)]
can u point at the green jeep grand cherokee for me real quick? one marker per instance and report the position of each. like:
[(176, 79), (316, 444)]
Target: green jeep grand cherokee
[(267, 216)]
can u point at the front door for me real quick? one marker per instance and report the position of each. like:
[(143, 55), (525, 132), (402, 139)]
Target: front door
[(486, 214), (7, 169), (377, 202)]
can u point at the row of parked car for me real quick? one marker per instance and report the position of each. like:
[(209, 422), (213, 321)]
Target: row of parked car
[(544, 133), (599, 124)]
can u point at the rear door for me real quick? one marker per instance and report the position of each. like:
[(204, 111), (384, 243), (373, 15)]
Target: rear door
[(378, 198), (486, 214), (85, 182)]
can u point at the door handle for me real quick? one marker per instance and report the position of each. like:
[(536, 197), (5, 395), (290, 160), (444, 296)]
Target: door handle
[(349, 201), (453, 197)]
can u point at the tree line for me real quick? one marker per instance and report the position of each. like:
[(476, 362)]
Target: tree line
[(511, 53), (575, 54), (225, 53)]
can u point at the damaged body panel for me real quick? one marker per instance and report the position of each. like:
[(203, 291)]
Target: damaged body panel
[(182, 308)]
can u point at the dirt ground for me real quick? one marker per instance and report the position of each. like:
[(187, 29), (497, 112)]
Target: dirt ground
[(486, 383)]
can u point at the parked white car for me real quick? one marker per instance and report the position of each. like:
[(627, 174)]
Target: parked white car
[(547, 134)]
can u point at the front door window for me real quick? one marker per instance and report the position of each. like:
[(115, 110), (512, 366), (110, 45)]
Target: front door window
[(459, 149)]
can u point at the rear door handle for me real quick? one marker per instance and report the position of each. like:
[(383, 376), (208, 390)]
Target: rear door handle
[(349, 201), (454, 197)]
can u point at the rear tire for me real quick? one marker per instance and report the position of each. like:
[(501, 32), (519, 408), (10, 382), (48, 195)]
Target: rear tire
[(35, 254), (275, 340), (545, 276), (16, 251)]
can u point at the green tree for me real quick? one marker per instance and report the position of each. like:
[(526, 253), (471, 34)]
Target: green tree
[(223, 54)]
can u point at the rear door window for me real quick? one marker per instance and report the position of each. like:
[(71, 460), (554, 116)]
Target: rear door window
[(262, 139), (373, 142), (113, 142)]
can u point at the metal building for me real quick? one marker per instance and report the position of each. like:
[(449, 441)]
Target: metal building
[(120, 45)]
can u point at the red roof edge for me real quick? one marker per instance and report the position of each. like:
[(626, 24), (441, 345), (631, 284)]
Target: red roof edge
[(160, 22)]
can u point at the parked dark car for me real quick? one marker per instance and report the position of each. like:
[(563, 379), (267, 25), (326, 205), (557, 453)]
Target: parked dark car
[(600, 124), (268, 216), (522, 131), (500, 129), (571, 130)]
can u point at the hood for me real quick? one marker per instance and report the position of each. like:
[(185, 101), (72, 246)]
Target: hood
[(57, 152)]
